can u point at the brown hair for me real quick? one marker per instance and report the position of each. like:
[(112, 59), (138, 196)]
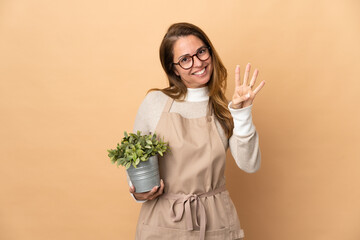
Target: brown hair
[(217, 83)]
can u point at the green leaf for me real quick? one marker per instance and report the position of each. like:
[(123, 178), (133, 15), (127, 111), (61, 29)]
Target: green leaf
[(139, 152), (128, 165), (137, 161), (136, 147)]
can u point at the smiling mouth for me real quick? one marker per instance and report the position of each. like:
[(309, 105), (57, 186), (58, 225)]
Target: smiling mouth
[(199, 72)]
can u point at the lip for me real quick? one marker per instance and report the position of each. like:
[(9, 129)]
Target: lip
[(199, 75)]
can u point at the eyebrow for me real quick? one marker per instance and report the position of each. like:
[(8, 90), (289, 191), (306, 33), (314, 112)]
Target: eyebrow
[(189, 54)]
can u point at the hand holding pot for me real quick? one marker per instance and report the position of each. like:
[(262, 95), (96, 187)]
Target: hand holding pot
[(151, 195)]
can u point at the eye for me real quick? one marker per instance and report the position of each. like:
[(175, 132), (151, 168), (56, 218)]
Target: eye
[(202, 51), (185, 59)]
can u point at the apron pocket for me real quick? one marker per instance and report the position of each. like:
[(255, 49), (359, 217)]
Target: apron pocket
[(148, 232), (156, 233), (235, 229), (237, 234)]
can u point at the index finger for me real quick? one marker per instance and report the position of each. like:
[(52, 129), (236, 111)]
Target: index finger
[(159, 192), (237, 76), (153, 190)]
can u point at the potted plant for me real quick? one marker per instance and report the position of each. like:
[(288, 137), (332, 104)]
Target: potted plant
[(138, 154)]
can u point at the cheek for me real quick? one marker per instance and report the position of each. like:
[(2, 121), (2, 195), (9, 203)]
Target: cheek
[(211, 65), (182, 73), (211, 62)]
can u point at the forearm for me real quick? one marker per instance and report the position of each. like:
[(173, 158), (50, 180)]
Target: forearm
[(244, 144)]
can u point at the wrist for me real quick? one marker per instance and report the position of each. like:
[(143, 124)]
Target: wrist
[(246, 105), (237, 106)]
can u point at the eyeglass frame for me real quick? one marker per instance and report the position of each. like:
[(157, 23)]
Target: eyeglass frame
[(192, 58)]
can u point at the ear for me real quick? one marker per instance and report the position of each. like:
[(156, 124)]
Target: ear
[(176, 71)]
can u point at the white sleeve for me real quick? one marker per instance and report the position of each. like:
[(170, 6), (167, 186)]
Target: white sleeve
[(244, 143), (243, 124)]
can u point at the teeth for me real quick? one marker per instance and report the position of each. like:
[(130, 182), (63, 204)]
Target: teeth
[(200, 72)]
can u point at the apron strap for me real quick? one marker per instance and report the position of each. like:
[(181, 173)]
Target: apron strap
[(168, 105), (209, 110)]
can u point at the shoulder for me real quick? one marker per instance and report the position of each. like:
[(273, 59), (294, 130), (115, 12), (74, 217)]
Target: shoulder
[(154, 101), (155, 96)]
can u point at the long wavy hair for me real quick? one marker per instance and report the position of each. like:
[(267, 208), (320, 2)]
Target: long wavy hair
[(217, 83)]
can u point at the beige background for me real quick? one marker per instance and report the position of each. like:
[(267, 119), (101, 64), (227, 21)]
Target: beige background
[(73, 73)]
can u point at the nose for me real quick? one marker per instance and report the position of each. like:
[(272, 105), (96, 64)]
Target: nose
[(197, 61)]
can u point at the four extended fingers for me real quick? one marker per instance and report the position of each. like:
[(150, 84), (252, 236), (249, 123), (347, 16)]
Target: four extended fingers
[(246, 77)]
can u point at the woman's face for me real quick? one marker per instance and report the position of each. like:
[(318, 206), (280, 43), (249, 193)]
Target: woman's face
[(200, 73)]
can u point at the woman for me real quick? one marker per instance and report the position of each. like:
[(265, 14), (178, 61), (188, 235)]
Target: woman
[(193, 115)]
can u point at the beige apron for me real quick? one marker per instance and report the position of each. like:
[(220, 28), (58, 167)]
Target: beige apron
[(195, 203)]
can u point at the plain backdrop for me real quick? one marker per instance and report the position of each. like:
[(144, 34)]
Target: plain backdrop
[(73, 74)]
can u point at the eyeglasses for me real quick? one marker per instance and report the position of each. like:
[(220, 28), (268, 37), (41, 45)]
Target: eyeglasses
[(187, 61)]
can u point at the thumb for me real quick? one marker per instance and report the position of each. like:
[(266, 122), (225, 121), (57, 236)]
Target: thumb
[(238, 99)]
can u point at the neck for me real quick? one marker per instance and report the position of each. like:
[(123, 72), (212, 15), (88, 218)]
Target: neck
[(197, 94)]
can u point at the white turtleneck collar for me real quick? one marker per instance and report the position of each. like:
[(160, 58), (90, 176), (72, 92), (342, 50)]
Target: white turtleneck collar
[(197, 94)]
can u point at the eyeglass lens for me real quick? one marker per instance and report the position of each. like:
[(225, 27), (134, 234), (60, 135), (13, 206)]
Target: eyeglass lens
[(187, 61)]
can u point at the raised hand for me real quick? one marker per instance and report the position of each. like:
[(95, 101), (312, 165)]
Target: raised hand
[(154, 193), (243, 94)]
